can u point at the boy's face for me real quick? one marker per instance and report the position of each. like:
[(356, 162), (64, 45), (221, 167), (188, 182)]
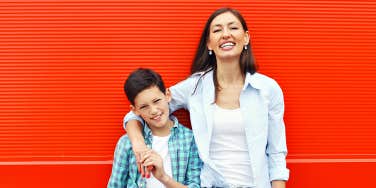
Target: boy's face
[(152, 105)]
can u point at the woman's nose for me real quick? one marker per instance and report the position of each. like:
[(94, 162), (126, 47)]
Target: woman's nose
[(226, 33)]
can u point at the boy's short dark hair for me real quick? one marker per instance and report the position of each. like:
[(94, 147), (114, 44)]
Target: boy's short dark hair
[(142, 79)]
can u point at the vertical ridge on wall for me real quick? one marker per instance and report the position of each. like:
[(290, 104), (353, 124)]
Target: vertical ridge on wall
[(62, 66)]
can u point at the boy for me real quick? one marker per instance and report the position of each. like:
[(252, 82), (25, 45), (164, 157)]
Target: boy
[(174, 156)]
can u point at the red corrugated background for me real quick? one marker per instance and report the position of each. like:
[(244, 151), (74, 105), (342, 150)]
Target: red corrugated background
[(62, 66)]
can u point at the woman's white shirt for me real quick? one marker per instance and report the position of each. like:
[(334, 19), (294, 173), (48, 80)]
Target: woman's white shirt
[(229, 150)]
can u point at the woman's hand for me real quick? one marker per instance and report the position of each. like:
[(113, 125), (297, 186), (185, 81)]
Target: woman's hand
[(140, 149), (134, 131), (153, 159)]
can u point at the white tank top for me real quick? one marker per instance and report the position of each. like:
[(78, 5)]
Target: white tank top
[(228, 147), (160, 145)]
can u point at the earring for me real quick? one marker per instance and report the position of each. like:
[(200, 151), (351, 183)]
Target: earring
[(210, 52), (245, 47)]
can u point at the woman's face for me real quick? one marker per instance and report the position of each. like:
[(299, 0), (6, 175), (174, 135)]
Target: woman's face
[(227, 36)]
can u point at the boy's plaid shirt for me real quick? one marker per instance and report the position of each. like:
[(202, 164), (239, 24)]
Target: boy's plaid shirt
[(185, 162)]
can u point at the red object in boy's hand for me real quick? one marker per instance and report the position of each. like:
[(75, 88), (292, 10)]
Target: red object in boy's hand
[(149, 169)]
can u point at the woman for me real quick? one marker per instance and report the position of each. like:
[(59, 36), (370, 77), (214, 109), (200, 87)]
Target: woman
[(235, 112)]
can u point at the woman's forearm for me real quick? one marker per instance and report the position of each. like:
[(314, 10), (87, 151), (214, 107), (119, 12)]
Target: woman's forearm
[(134, 131), (278, 184)]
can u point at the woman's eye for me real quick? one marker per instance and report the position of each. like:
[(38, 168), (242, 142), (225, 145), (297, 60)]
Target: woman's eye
[(234, 28), (216, 30)]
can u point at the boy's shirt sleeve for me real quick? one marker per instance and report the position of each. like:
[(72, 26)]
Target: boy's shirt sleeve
[(194, 167), (119, 173)]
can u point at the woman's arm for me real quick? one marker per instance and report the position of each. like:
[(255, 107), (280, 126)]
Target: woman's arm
[(278, 184), (180, 93), (133, 125), (276, 147)]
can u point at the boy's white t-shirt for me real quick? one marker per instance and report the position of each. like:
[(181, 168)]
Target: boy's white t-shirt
[(160, 145)]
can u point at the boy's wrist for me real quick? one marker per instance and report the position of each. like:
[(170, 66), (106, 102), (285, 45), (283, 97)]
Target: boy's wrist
[(165, 179)]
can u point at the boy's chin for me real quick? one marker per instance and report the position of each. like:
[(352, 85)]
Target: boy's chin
[(158, 125)]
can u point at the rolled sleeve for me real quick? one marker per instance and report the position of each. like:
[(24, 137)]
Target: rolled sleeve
[(194, 167), (276, 146), (131, 116)]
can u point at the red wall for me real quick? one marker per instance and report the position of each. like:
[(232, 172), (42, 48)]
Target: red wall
[(62, 66)]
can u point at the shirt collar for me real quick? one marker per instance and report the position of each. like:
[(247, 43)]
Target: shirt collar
[(147, 130), (253, 80)]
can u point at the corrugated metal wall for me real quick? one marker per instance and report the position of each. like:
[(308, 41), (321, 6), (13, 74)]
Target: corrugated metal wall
[(62, 66)]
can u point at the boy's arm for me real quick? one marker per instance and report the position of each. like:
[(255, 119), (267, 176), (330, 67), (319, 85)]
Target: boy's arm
[(119, 173), (194, 167)]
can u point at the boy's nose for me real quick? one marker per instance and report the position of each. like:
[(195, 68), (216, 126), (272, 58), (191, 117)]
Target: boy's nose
[(153, 110)]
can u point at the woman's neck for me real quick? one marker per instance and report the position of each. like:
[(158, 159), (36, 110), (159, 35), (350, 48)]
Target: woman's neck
[(229, 73)]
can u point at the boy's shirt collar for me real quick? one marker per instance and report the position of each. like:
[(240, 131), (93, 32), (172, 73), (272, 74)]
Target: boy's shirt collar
[(147, 131)]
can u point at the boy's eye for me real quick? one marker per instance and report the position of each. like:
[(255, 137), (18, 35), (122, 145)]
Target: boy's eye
[(157, 100), (142, 107)]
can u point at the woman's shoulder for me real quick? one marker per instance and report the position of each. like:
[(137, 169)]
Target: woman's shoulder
[(263, 82), (193, 80), (201, 74)]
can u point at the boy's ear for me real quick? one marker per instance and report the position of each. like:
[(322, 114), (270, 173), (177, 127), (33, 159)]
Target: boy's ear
[(168, 95), (134, 110)]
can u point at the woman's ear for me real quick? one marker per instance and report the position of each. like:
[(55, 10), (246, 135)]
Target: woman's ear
[(168, 95), (207, 46), (134, 110), (246, 38)]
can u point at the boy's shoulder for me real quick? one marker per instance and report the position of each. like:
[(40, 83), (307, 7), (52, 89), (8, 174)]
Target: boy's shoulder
[(125, 142), (184, 131)]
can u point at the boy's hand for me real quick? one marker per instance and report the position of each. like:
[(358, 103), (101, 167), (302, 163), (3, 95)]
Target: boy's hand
[(153, 159), (139, 150)]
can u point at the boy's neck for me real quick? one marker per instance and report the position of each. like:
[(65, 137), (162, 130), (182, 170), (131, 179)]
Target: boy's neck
[(162, 131)]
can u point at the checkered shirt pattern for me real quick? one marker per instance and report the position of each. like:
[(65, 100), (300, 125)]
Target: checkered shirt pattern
[(185, 161)]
